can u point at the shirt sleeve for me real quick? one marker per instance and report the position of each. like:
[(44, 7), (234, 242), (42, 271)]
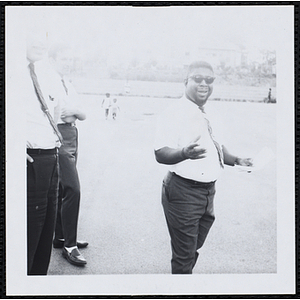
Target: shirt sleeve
[(166, 131)]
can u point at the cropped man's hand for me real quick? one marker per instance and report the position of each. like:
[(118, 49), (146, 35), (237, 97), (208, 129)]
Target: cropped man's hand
[(193, 150), (29, 158), (246, 162)]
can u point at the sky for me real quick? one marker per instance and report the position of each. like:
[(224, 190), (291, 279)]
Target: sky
[(124, 32)]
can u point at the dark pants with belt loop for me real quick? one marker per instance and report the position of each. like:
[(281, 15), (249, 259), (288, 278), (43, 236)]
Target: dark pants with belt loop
[(69, 187), (42, 190), (189, 212)]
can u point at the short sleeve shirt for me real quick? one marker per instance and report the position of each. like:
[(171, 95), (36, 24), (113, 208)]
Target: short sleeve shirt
[(70, 97), (180, 125)]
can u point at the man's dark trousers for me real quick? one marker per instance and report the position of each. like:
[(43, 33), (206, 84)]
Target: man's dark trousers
[(69, 187), (189, 212), (42, 190)]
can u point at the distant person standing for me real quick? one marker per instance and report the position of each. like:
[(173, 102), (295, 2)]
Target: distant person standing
[(43, 142), (270, 95), (186, 143), (114, 108), (127, 88), (106, 103), (69, 185)]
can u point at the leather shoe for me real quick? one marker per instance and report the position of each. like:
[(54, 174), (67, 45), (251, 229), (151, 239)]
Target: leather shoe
[(60, 244), (74, 257)]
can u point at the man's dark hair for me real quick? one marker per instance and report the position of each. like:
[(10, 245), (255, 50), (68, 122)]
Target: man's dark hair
[(199, 64)]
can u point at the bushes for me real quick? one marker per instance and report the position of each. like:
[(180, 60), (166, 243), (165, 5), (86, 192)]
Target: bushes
[(225, 75)]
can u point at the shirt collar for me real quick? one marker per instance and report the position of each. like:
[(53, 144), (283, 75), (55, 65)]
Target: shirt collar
[(189, 104)]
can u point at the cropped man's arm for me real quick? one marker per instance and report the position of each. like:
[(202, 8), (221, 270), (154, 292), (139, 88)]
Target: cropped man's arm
[(71, 114), (169, 156), (229, 159), (80, 115), (75, 106), (233, 160)]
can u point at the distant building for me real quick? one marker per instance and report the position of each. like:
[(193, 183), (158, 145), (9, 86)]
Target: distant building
[(216, 54)]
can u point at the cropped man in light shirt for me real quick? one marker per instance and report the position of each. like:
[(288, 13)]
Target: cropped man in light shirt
[(185, 141), (42, 156), (60, 56)]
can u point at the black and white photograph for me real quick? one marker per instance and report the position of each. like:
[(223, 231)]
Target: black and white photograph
[(149, 149)]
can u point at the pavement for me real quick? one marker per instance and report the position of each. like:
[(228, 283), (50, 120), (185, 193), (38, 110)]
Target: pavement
[(121, 215)]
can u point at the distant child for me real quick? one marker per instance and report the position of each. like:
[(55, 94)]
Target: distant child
[(114, 107), (106, 103)]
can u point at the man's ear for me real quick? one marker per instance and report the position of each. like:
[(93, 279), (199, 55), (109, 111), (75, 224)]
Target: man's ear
[(185, 81)]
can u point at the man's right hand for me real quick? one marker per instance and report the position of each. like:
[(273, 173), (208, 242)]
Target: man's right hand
[(30, 159), (193, 150)]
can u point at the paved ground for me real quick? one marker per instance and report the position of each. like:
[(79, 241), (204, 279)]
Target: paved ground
[(121, 215)]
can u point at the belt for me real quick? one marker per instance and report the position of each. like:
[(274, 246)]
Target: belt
[(66, 124), (42, 151), (194, 182)]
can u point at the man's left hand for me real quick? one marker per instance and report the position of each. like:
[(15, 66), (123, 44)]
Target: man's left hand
[(246, 162)]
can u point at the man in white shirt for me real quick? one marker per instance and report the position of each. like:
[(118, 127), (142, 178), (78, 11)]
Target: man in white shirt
[(43, 141), (61, 58), (186, 143)]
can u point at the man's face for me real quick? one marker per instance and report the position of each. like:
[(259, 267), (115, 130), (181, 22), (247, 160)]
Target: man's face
[(198, 92), (63, 62), (36, 46)]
